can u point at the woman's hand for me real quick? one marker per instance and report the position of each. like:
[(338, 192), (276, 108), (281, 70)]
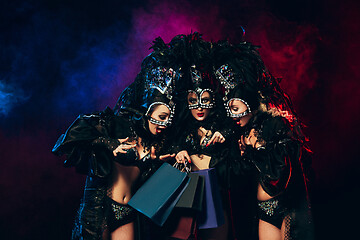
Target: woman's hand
[(165, 157), (252, 139), (182, 157), (216, 137), (123, 147), (242, 145), (249, 140)]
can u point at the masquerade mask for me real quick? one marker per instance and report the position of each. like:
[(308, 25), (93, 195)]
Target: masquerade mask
[(159, 87), (164, 123), (201, 101), (227, 78), (230, 112)]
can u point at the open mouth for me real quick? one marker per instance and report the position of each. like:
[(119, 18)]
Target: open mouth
[(159, 130), (237, 121), (200, 114)]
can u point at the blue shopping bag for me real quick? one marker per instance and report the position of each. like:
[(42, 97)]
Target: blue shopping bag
[(157, 197), (212, 213)]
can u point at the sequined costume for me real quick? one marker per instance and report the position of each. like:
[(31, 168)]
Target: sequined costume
[(88, 144), (279, 154), (198, 79), (280, 162), (90, 141), (272, 211)]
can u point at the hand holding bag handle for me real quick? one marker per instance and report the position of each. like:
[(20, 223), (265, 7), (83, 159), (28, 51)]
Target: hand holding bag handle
[(183, 167)]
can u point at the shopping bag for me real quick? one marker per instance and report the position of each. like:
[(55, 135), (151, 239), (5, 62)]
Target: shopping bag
[(212, 214), (157, 197), (193, 196), (181, 223)]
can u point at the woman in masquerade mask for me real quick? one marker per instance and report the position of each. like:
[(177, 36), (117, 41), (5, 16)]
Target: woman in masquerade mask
[(201, 141), (202, 122), (270, 138), (117, 151)]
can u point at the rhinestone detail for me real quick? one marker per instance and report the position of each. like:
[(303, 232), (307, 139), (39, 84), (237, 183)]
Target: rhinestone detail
[(120, 211), (269, 206)]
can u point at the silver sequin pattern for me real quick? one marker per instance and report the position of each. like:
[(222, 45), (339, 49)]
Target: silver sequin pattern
[(120, 211), (269, 206)]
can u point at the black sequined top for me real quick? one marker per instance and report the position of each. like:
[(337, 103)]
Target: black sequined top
[(90, 140), (190, 141), (282, 163)]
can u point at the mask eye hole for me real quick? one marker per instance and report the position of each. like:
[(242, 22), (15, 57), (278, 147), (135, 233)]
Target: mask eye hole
[(159, 112), (237, 106), (206, 98), (192, 98), (163, 117)]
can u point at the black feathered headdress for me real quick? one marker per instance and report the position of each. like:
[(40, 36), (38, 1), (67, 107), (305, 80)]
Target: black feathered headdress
[(244, 76), (193, 54), (238, 69), (153, 85)]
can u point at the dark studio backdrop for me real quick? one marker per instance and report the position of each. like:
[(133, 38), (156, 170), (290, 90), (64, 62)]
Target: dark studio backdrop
[(60, 58)]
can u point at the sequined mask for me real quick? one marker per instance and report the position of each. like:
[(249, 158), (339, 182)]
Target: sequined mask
[(162, 79), (227, 78), (199, 103), (236, 115), (165, 123), (199, 91)]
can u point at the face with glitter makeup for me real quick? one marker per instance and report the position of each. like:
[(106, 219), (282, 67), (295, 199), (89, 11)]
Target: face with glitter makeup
[(200, 114), (238, 107), (160, 113)]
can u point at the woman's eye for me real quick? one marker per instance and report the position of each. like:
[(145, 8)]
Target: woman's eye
[(235, 109), (205, 100), (162, 117), (192, 100)]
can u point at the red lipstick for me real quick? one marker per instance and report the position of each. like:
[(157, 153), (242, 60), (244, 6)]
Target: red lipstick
[(200, 114)]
